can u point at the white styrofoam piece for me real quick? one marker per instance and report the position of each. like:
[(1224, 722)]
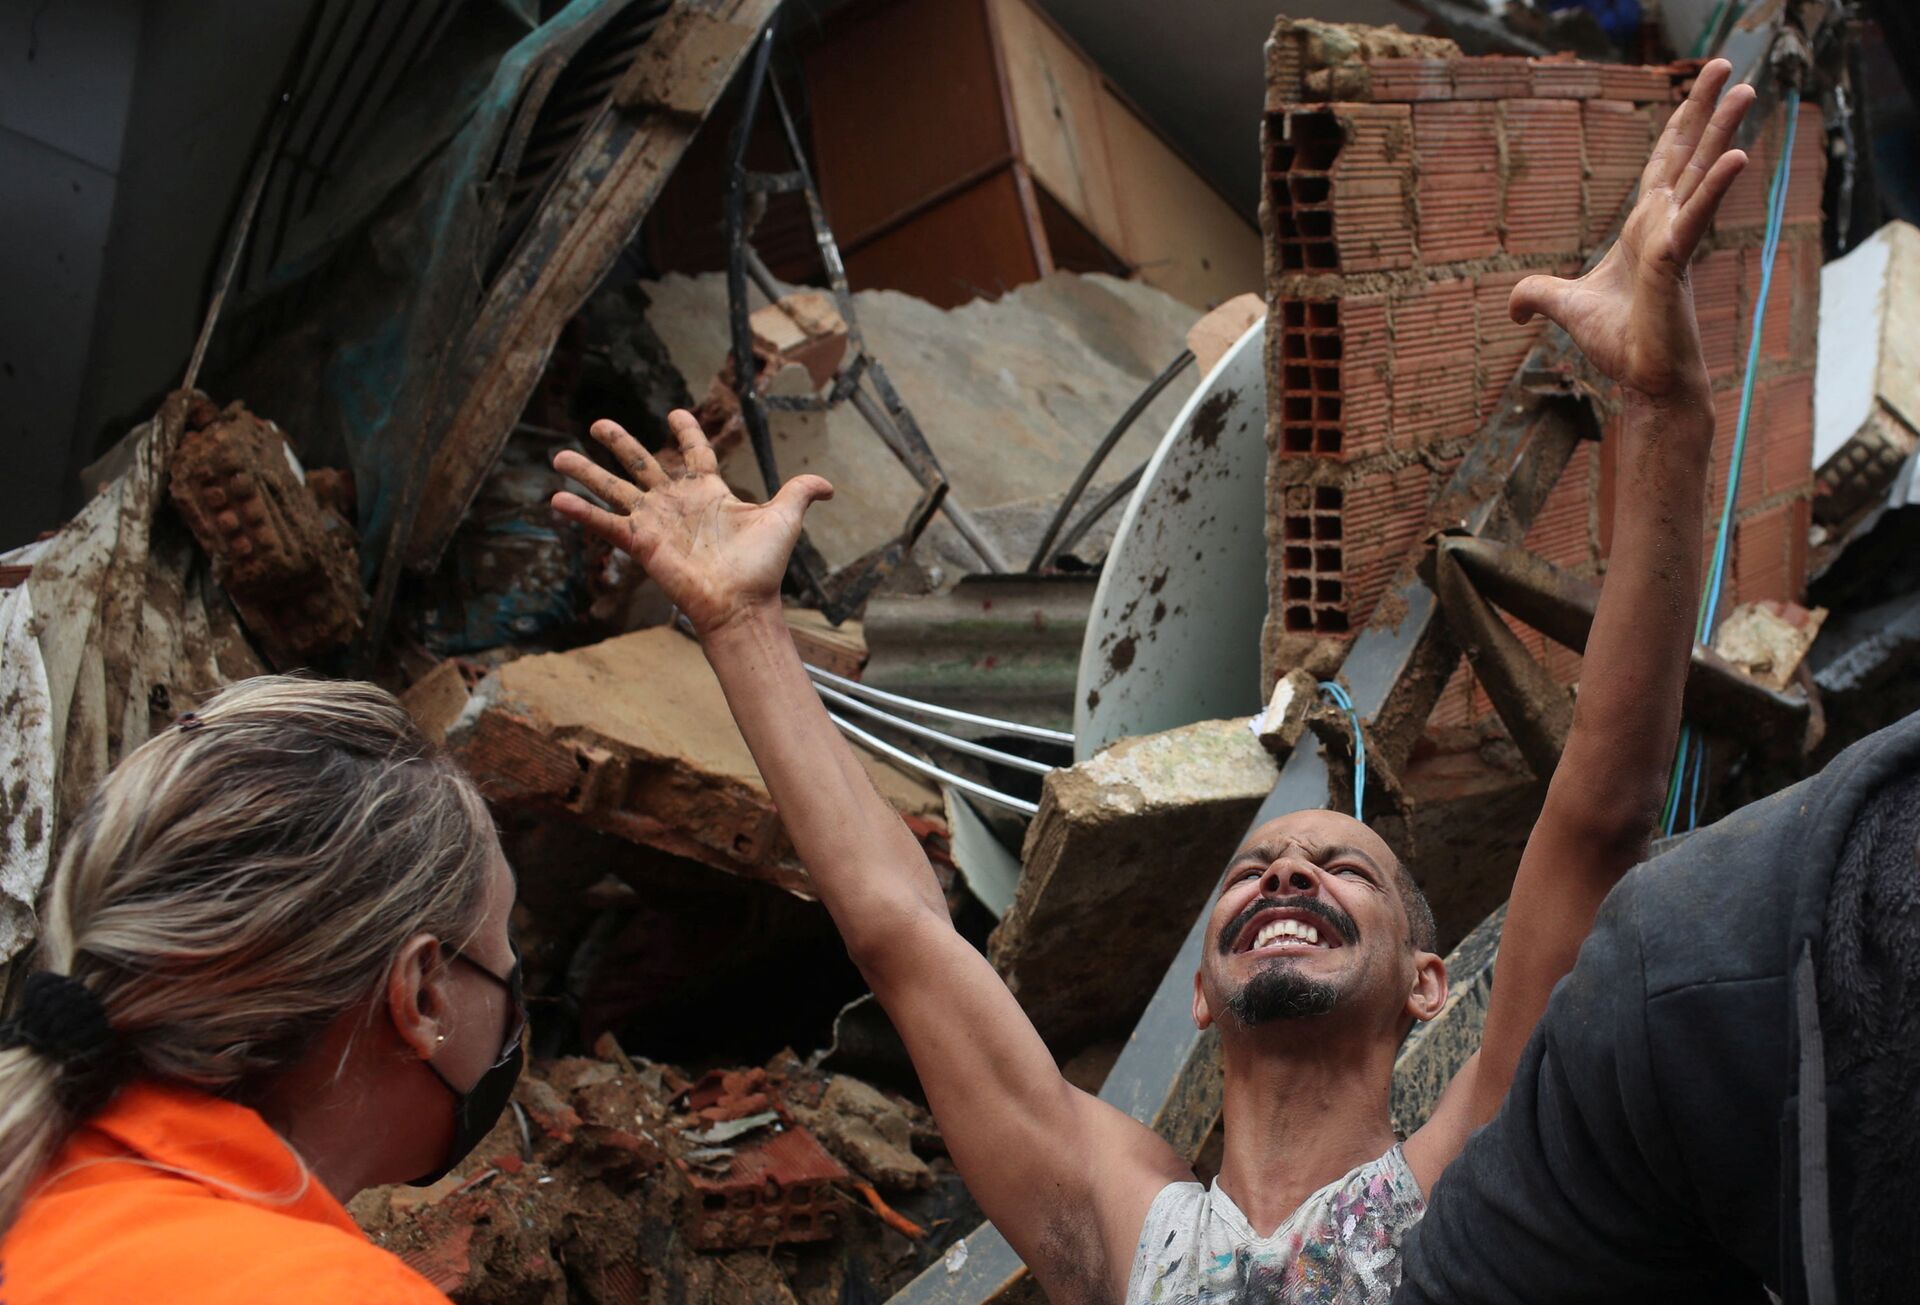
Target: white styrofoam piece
[(1853, 308)]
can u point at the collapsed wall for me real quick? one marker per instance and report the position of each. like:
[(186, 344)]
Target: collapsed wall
[(1406, 192)]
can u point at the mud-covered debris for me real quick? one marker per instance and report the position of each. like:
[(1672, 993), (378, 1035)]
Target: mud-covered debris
[(1768, 639), (870, 1132), (290, 567), (632, 737), (601, 1196)]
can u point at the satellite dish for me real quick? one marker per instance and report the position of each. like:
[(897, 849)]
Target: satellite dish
[(1174, 635)]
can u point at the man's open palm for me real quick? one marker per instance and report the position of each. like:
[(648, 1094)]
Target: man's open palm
[(713, 555), (1632, 315)]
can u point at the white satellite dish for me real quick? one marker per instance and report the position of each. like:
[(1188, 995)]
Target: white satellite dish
[(1174, 635)]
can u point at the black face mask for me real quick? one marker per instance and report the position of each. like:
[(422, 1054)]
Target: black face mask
[(478, 1109)]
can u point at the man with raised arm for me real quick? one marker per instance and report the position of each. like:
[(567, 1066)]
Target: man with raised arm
[(1321, 950)]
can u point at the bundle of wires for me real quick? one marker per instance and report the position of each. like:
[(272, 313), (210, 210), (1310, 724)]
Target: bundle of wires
[(1344, 700), (1689, 762)]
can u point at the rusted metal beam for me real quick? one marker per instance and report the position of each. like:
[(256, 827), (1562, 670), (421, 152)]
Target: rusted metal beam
[(1536, 710), (1720, 698), (837, 593)]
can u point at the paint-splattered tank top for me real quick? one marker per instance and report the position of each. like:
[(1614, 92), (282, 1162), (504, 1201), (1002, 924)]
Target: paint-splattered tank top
[(1341, 1247)]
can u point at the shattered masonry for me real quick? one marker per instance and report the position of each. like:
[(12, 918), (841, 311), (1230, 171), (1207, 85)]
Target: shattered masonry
[(289, 564), (1408, 190)]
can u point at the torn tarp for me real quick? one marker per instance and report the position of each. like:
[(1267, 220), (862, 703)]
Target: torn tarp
[(117, 628), (437, 308)]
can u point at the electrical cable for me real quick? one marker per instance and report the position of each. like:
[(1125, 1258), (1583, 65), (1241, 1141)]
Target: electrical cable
[(1044, 553), (1689, 761), (1344, 700)]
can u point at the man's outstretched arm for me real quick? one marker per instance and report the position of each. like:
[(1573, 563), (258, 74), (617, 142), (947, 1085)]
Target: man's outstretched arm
[(1633, 318), (1065, 1177)]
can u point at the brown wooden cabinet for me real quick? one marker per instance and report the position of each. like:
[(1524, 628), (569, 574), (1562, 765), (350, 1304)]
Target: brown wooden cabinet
[(966, 147)]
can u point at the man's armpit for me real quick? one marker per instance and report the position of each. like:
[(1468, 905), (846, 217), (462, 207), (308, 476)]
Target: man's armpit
[(1071, 1260)]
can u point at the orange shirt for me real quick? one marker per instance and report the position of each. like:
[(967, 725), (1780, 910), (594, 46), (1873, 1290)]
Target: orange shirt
[(241, 1223)]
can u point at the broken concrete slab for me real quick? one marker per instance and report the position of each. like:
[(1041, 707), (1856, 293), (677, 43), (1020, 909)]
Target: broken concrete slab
[(1126, 844), (1769, 639), (1013, 394), (869, 1132), (633, 737)]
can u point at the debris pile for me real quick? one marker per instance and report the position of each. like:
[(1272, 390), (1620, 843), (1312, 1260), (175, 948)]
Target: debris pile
[(360, 485), (615, 1179)]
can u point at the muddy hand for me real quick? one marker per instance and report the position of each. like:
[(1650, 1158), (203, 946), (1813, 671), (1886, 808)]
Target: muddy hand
[(715, 556), (1632, 315)]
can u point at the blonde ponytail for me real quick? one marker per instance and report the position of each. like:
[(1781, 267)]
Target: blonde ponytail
[(238, 883)]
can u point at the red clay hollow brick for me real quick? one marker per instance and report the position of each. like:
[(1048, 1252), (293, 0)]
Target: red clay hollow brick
[(1410, 79), (1434, 395), (1616, 137), (290, 568), (1776, 327), (773, 1193), (1340, 188), (1565, 79), (1310, 419), (1543, 176), (1492, 77), (1769, 556), (1563, 531), (1641, 83), (1716, 305), (1459, 151), (1313, 597)]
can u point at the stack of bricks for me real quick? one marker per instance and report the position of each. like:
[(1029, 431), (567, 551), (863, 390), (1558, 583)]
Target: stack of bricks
[(1408, 190)]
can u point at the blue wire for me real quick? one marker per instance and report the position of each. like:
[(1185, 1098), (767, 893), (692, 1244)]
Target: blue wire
[(1693, 798), (1342, 699), (1710, 599)]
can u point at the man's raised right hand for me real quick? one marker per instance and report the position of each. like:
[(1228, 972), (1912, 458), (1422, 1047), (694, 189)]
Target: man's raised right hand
[(715, 556)]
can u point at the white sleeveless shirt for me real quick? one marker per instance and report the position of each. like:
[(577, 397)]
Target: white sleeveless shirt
[(1341, 1247)]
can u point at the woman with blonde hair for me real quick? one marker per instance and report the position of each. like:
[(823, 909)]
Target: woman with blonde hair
[(274, 969)]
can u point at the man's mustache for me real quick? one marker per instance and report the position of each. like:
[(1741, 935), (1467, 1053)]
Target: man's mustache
[(1325, 912)]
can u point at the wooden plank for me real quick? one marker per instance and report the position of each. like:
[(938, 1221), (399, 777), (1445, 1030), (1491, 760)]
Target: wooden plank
[(1176, 231), (591, 215), (905, 103), (973, 244), (1058, 123)]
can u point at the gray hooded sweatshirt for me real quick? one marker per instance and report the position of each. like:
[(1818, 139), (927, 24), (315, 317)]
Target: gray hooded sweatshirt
[(1722, 1100)]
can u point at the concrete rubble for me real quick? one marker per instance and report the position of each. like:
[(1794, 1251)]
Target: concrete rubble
[(567, 735), (1124, 849), (603, 1183), (1012, 394)]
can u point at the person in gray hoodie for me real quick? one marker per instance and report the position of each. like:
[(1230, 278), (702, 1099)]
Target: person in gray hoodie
[(1722, 1101)]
